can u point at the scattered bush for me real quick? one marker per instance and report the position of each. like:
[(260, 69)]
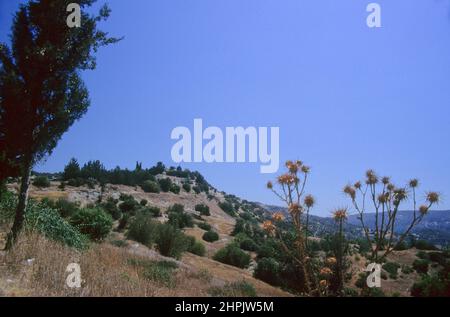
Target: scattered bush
[(248, 245), (268, 270), (142, 229), (150, 187), (143, 202), (421, 266), (130, 205), (423, 255), (110, 206), (93, 222), (41, 181), (227, 207), (233, 255), (197, 248), (187, 188), (180, 220), (176, 208), (119, 243), (203, 209), (424, 245), (210, 236), (204, 226), (170, 241), (160, 272), (165, 184), (174, 188), (153, 211), (392, 269)]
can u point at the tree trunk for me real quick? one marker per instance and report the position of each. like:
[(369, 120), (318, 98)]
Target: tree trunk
[(21, 206)]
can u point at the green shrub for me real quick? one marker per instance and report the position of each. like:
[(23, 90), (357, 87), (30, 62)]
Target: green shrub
[(150, 187), (170, 241), (176, 208), (153, 211), (203, 209), (423, 255), (268, 270), (123, 222), (210, 236), (180, 220), (142, 229), (227, 207), (438, 257), (235, 289), (76, 182), (392, 269), (406, 269), (174, 188), (421, 266), (248, 245), (402, 246), (119, 243), (197, 248), (187, 188), (143, 202), (129, 205), (204, 226), (41, 181), (233, 255), (437, 285), (165, 184), (48, 222), (111, 208), (93, 222)]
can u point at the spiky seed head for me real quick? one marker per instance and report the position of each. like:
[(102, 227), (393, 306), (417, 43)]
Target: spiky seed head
[(287, 179), (357, 185), (331, 261), (292, 167), (385, 180), (299, 163), (326, 271), (294, 208), (340, 214), (278, 216), (383, 198), (433, 197), (423, 209), (323, 283), (269, 185), (288, 163), (371, 177), (390, 187), (309, 201), (268, 226), (305, 169), (350, 191), (400, 195), (413, 183)]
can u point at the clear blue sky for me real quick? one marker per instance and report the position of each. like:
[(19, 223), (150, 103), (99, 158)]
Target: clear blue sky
[(346, 97)]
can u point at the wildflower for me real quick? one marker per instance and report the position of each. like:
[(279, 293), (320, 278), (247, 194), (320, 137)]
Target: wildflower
[(269, 185), (287, 179), (309, 201), (432, 197), (326, 271), (295, 208), (292, 167), (349, 190), (371, 177), (323, 283), (357, 185), (305, 169), (278, 216), (340, 214), (390, 187), (413, 183), (423, 209), (331, 261), (399, 195), (385, 180), (383, 198), (268, 226)]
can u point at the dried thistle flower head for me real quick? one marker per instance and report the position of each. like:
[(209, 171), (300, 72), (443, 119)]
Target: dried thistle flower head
[(340, 214), (350, 191), (326, 271), (400, 194), (288, 163), (309, 201), (371, 177), (385, 180), (287, 179), (268, 226), (305, 169), (299, 163), (433, 197), (278, 216), (413, 183), (383, 198), (357, 185), (331, 261), (269, 185), (323, 284), (294, 208), (292, 167), (423, 209), (390, 187)]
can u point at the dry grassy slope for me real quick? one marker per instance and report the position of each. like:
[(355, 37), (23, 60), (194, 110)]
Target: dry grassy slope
[(190, 264)]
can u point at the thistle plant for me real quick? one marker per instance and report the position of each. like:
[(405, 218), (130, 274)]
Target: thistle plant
[(381, 196), (291, 190)]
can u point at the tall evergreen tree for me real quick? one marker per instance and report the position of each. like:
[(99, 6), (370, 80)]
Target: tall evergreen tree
[(41, 91)]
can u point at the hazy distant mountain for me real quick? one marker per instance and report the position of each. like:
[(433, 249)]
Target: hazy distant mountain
[(435, 227)]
